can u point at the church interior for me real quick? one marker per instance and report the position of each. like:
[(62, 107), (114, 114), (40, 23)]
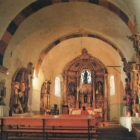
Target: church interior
[(57, 56)]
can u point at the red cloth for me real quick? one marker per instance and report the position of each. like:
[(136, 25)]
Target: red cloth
[(84, 112)]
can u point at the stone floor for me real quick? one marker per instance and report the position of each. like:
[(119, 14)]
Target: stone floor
[(115, 132)]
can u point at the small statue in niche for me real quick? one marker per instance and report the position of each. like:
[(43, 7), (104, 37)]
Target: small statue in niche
[(128, 99), (128, 92), (72, 88), (71, 102), (85, 77), (30, 70), (2, 92), (85, 98), (48, 87), (20, 91), (45, 96), (127, 86), (18, 98), (99, 87)]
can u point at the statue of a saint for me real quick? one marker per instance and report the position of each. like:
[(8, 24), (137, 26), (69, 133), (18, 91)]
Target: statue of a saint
[(2, 92), (85, 77)]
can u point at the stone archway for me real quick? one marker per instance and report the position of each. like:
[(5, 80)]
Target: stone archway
[(38, 5)]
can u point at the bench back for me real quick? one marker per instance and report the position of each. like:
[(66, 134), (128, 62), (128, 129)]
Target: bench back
[(51, 120), (22, 121), (66, 122)]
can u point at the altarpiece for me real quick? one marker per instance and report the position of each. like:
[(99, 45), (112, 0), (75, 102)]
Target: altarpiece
[(85, 83)]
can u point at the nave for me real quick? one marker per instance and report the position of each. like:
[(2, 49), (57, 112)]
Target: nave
[(57, 56)]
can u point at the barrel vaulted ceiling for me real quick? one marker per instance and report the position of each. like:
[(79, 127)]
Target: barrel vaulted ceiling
[(36, 31)]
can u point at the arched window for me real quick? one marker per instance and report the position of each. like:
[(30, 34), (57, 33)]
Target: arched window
[(112, 85), (86, 77), (57, 87)]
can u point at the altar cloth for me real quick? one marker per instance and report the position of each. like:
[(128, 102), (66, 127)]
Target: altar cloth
[(128, 121)]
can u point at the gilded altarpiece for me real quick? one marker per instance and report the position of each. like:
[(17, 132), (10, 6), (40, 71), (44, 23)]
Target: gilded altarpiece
[(2, 92), (20, 88), (85, 83), (45, 97)]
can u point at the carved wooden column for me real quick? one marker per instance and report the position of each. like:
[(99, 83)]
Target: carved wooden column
[(136, 44), (78, 86), (48, 93), (105, 110), (139, 84), (93, 89), (82, 98), (89, 99), (65, 88), (135, 84)]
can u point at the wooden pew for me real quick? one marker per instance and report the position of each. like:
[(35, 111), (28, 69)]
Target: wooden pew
[(21, 121), (70, 122), (50, 126)]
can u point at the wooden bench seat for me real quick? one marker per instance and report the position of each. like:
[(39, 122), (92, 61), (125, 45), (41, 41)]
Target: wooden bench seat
[(55, 127), (35, 138), (46, 127), (50, 131)]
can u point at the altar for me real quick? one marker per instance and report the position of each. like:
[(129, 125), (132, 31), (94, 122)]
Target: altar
[(91, 111), (128, 121)]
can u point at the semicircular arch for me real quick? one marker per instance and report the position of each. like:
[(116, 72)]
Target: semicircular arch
[(37, 5), (71, 36)]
